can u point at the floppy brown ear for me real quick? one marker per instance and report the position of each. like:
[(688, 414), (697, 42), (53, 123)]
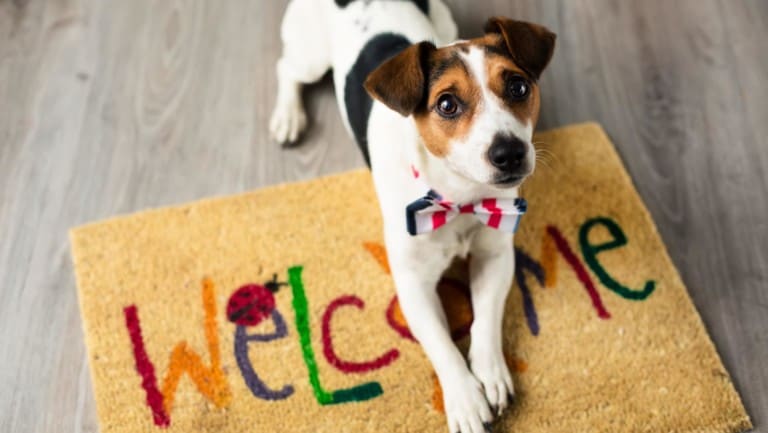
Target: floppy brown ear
[(530, 45), (400, 82)]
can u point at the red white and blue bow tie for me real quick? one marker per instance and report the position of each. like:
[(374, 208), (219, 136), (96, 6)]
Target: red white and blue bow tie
[(432, 212)]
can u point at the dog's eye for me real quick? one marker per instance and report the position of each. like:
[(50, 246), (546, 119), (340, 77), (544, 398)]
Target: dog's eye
[(447, 105), (518, 88)]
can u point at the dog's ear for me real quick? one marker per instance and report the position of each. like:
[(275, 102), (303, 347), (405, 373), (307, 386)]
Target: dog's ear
[(530, 45), (401, 82)]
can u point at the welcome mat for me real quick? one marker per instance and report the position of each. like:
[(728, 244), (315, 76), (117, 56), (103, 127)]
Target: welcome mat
[(273, 311)]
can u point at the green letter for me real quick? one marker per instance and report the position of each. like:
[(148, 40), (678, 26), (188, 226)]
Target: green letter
[(590, 253), (365, 391)]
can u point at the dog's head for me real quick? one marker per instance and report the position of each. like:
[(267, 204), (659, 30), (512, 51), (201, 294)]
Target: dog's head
[(475, 103)]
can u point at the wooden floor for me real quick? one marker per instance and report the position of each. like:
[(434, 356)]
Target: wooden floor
[(110, 107)]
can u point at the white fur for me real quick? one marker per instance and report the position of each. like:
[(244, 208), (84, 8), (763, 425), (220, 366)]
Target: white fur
[(317, 35)]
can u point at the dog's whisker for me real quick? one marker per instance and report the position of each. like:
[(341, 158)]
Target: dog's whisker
[(543, 154), (546, 160), (546, 156)]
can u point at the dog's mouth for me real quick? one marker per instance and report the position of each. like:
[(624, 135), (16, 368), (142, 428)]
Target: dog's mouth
[(508, 180)]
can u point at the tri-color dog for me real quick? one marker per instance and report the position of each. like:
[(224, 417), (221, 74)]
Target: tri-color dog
[(446, 127)]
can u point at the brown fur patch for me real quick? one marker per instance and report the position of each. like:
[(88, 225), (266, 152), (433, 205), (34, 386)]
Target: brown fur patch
[(448, 75), (399, 82), (499, 69), (530, 45)]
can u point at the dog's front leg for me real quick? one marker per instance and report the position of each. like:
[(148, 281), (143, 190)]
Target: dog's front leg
[(491, 271), (416, 281)]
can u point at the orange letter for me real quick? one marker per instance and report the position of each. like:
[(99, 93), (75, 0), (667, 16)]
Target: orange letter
[(210, 381)]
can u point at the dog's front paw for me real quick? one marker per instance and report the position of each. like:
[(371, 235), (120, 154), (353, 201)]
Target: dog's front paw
[(465, 406), (493, 374), (288, 122)]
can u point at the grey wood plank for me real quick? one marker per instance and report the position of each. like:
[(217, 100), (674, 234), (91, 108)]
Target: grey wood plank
[(42, 101), (112, 107)]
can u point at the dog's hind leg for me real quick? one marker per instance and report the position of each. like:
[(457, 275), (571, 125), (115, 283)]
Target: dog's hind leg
[(442, 20), (306, 57)]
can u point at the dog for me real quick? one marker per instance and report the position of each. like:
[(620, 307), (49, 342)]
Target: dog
[(446, 127)]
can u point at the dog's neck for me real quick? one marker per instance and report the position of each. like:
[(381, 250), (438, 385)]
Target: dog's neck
[(437, 175)]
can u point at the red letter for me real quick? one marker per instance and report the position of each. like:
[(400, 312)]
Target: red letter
[(330, 355)]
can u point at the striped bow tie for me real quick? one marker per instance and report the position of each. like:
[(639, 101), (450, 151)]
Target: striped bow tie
[(432, 212)]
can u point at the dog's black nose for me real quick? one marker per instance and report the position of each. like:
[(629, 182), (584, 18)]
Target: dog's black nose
[(507, 153)]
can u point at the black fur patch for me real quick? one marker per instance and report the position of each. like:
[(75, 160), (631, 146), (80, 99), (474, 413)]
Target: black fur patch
[(380, 48), (423, 5), (437, 70)]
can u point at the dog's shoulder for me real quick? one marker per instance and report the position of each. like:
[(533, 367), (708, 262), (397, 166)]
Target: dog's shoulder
[(356, 100)]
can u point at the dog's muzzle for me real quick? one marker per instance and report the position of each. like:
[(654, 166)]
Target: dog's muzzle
[(508, 154)]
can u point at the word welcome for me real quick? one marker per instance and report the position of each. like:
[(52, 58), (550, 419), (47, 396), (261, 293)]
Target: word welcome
[(252, 304)]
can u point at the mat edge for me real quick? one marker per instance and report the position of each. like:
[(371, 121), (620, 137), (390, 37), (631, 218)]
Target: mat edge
[(739, 426), (74, 244)]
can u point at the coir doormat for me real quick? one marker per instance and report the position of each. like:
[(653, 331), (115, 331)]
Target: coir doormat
[(273, 311)]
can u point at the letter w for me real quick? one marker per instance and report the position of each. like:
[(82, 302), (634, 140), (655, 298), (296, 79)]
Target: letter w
[(210, 381)]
